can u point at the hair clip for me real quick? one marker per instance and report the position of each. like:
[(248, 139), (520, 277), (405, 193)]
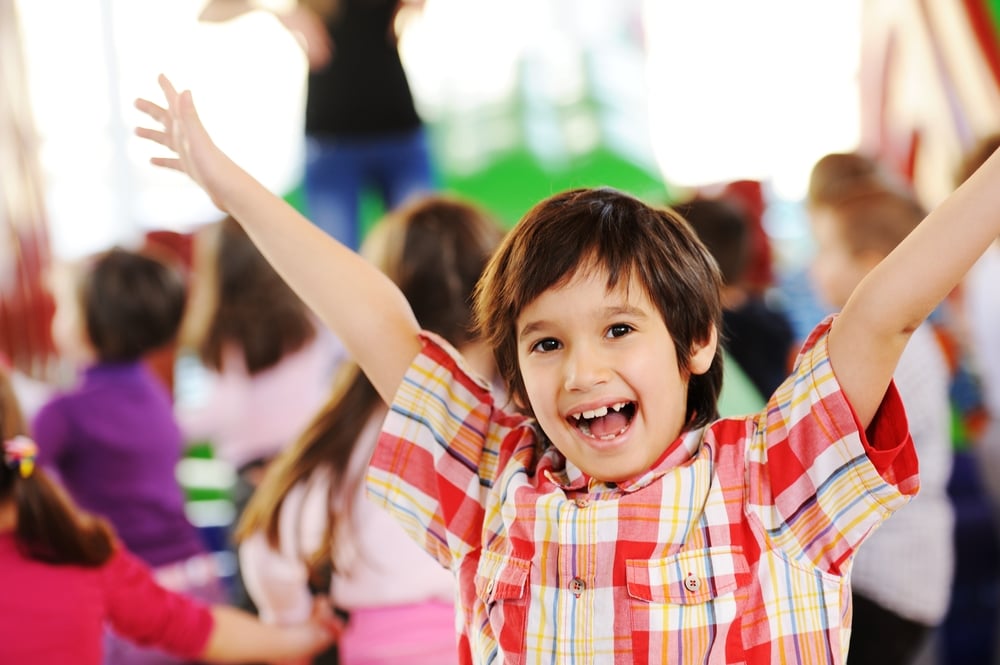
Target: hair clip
[(20, 453)]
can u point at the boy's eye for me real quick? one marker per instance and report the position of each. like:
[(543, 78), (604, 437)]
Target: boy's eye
[(545, 345), (619, 330)]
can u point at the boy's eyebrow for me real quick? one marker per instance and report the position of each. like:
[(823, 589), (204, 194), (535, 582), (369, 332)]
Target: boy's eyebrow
[(607, 312)]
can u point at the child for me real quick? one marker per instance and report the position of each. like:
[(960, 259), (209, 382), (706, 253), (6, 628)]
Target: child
[(64, 576), (609, 517), (757, 336), (893, 615), (310, 508), (112, 438), (267, 362)]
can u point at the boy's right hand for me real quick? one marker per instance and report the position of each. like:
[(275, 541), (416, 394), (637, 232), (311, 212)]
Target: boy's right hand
[(183, 133)]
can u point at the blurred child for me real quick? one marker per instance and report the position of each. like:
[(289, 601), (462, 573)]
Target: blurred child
[(757, 336), (903, 577), (64, 577), (112, 438), (311, 510), (265, 362), (269, 363), (607, 516)]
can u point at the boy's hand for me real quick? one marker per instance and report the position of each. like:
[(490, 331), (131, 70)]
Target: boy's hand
[(183, 133)]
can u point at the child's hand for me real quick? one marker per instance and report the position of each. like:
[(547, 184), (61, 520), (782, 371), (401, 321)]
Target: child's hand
[(183, 133), (319, 633), (323, 616)]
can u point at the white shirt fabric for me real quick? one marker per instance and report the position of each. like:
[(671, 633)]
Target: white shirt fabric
[(386, 566), (907, 564)]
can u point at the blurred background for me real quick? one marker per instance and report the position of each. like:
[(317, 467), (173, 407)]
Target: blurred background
[(521, 99)]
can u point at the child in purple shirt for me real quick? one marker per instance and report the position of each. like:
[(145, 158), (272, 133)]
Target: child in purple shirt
[(112, 438)]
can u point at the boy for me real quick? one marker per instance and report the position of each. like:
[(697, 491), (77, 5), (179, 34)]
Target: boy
[(616, 522)]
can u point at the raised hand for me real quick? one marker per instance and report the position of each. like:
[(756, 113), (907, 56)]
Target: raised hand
[(371, 316), (182, 132)]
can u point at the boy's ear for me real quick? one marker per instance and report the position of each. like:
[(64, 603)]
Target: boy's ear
[(703, 353)]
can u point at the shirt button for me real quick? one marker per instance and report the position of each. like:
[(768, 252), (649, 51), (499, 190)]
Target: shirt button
[(577, 586), (582, 503), (692, 583)]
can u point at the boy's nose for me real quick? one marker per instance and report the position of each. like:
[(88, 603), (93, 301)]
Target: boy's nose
[(584, 369)]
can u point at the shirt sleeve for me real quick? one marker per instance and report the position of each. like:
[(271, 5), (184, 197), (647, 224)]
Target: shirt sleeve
[(817, 481), (442, 446), (144, 612)]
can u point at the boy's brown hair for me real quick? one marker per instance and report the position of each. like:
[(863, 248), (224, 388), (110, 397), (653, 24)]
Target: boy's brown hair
[(131, 303), (605, 228)]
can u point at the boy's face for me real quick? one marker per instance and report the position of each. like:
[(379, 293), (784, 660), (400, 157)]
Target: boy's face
[(602, 376), (837, 269)]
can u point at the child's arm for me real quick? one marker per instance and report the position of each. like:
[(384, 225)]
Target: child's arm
[(868, 337), (358, 302), (238, 637)]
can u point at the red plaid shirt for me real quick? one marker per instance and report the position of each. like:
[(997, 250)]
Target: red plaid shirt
[(734, 548)]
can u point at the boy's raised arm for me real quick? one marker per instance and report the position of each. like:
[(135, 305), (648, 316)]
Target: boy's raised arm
[(894, 298), (357, 301)]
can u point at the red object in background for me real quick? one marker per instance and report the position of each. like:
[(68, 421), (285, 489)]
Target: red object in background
[(25, 304), (749, 195)]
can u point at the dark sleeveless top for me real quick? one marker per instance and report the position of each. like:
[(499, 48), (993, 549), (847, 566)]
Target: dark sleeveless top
[(363, 90)]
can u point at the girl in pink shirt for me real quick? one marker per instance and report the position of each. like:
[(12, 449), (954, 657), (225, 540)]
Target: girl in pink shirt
[(64, 578), (311, 513)]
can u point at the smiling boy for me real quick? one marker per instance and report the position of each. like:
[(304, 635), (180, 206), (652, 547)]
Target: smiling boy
[(615, 519)]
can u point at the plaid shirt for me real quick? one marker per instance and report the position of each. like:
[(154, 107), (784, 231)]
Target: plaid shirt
[(734, 548)]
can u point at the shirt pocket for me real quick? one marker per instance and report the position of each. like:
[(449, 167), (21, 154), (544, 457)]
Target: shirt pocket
[(686, 598), (688, 577), (501, 584)]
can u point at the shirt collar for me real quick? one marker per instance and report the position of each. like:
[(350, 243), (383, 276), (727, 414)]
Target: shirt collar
[(570, 477)]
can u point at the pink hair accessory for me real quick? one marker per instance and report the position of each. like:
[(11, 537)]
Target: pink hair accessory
[(20, 453)]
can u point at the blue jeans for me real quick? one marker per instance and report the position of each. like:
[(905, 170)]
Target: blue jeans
[(338, 171)]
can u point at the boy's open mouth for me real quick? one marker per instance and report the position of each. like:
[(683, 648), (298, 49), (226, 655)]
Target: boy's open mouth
[(605, 422)]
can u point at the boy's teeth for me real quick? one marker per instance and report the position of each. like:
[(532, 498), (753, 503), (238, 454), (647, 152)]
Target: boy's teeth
[(599, 411)]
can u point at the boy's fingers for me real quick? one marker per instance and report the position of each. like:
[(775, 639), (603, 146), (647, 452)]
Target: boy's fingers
[(187, 108), (152, 135), (154, 111), (167, 162), (168, 89)]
